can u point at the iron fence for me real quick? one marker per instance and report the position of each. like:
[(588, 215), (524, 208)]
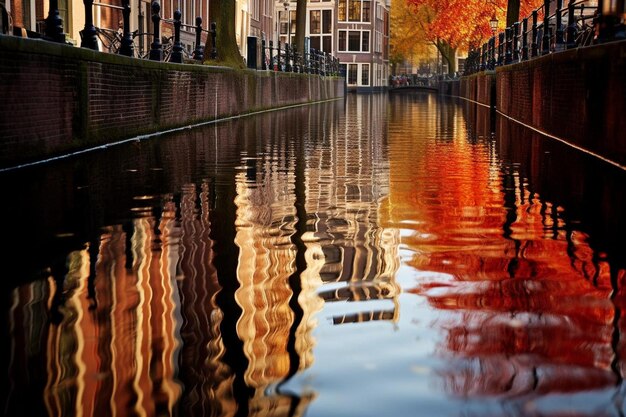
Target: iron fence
[(286, 58), (574, 25), (122, 41)]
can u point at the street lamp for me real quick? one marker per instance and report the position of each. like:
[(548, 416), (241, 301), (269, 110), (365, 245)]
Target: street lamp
[(493, 23)]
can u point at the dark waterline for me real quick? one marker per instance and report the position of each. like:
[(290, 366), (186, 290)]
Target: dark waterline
[(386, 255)]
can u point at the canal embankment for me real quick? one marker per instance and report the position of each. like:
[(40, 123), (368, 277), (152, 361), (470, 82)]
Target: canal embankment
[(57, 99), (575, 96)]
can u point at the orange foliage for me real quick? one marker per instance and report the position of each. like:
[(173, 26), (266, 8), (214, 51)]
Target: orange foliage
[(463, 22)]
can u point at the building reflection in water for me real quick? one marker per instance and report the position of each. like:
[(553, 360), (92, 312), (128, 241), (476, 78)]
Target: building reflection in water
[(133, 324), (526, 306), (204, 299)]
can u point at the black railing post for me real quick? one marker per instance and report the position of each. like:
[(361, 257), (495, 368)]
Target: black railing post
[(533, 46), (320, 62), (545, 45), (263, 60), (508, 56), (294, 58), (559, 41), (213, 40), (140, 31), (88, 37), (500, 49), (610, 23), (312, 57), (278, 56), (287, 58), (516, 36), (54, 24), (156, 49), (177, 50), (525, 39), (571, 25), (198, 52), (126, 44)]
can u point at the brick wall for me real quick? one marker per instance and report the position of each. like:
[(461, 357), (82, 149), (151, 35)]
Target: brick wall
[(477, 87), (57, 98), (577, 95)]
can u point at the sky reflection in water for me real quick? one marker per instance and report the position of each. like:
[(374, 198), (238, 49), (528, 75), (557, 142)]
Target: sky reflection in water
[(382, 256)]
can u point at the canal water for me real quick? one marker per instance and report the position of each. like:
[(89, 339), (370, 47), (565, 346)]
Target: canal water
[(383, 255)]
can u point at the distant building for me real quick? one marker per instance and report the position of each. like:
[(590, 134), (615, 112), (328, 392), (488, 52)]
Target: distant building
[(363, 42), (355, 31)]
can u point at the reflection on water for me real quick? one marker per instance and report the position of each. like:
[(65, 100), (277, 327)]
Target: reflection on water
[(378, 256)]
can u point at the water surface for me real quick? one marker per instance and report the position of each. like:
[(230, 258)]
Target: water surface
[(386, 255)]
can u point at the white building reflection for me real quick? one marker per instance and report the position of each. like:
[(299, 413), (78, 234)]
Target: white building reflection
[(133, 326)]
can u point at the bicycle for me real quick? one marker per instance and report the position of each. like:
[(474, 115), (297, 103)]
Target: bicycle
[(168, 47), (110, 39)]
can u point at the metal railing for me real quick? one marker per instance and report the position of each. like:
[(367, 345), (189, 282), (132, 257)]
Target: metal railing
[(286, 58), (124, 42), (169, 49), (569, 26)]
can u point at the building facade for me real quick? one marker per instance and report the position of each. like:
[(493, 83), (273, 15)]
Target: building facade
[(355, 31), (363, 42)]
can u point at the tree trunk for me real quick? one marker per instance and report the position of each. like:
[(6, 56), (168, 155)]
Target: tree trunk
[(512, 12), (223, 14), (448, 53), (300, 25)]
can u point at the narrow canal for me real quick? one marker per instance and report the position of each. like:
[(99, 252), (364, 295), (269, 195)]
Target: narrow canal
[(386, 255)]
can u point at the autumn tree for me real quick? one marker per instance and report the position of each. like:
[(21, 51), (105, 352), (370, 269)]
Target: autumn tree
[(223, 14), (453, 25), (407, 42)]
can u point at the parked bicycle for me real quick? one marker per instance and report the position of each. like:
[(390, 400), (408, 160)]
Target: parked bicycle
[(111, 41)]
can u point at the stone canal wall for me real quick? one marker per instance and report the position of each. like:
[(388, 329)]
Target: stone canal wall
[(578, 96), (56, 98)]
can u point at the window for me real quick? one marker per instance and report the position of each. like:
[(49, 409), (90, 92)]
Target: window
[(315, 21), (357, 74), (366, 11), (284, 25), (365, 41), (354, 40), (353, 70), (327, 21), (321, 23), (342, 40), (342, 10), (354, 10), (315, 43), (63, 8), (327, 44), (365, 74)]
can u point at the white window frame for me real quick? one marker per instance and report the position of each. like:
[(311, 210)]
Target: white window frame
[(359, 74), (360, 51), (371, 2), (322, 35)]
